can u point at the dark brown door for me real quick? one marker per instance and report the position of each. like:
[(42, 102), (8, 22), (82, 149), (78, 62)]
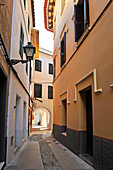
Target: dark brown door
[(89, 122)]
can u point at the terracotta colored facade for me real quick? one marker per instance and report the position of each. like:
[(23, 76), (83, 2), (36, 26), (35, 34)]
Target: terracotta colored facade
[(82, 88)]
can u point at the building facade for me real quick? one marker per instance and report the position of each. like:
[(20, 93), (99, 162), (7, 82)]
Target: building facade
[(42, 90), (82, 85), (17, 19), (5, 36)]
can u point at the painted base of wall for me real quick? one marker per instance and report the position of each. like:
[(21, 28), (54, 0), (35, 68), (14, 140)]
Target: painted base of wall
[(102, 148)]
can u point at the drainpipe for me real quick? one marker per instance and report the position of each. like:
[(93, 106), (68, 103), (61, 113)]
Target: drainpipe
[(9, 92)]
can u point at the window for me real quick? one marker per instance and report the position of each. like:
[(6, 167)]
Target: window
[(28, 24), (25, 4), (38, 90), (54, 62), (21, 42), (37, 65), (50, 92), (81, 18), (63, 50), (50, 68)]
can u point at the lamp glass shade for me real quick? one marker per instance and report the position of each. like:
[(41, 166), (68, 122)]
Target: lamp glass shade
[(29, 50)]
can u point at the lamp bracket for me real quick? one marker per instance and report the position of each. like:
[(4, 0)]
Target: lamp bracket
[(14, 62)]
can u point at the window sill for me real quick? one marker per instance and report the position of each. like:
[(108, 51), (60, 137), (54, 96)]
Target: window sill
[(83, 36)]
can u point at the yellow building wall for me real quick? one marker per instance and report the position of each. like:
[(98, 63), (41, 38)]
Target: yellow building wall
[(96, 52)]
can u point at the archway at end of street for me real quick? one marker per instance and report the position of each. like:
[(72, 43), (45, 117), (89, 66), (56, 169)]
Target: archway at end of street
[(41, 119)]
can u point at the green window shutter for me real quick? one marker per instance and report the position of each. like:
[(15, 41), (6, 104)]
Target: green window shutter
[(21, 42), (78, 21), (28, 24)]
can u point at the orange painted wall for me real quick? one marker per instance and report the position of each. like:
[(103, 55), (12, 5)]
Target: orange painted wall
[(96, 52)]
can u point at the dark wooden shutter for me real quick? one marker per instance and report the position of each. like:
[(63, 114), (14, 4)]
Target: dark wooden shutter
[(50, 92), (62, 51), (79, 21), (86, 14), (64, 47), (50, 68), (38, 90), (54, 67), (35, 90), (37, 65), (28, 24)]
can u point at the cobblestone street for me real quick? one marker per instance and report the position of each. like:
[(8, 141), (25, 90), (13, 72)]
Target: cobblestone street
[(43, 152)]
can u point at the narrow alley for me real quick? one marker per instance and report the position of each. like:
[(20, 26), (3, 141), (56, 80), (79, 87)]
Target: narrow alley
[(56, 84), (42, 152)]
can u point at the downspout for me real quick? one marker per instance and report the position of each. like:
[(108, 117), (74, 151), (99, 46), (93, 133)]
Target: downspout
[(9, 92)]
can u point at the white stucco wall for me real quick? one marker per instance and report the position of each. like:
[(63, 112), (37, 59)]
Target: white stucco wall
[(16, 89), (45, 79)]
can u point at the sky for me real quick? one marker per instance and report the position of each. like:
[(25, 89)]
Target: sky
[(45, 37)]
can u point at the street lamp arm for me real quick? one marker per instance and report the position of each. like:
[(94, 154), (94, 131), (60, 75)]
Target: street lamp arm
[(14, 62)]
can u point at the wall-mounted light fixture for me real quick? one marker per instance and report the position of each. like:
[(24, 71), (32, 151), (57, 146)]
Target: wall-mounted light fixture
[(29, 51)]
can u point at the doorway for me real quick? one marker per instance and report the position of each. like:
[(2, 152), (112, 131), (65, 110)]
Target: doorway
[(86, 136), (24, 121), (89, 122), (17, 122), (3, 87), (64, 115)]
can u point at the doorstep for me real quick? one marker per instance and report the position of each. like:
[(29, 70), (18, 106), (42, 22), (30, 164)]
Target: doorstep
[(1, 165), (87, 158)]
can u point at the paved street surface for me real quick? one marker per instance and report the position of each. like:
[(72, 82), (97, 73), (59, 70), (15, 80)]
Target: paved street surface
[(43, 152)]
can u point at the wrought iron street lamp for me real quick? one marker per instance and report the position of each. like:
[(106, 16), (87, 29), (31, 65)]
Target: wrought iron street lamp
[(29, 51)]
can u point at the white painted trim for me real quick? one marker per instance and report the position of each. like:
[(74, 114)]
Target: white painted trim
[(67, 91), (9, 92), (96, 90)]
